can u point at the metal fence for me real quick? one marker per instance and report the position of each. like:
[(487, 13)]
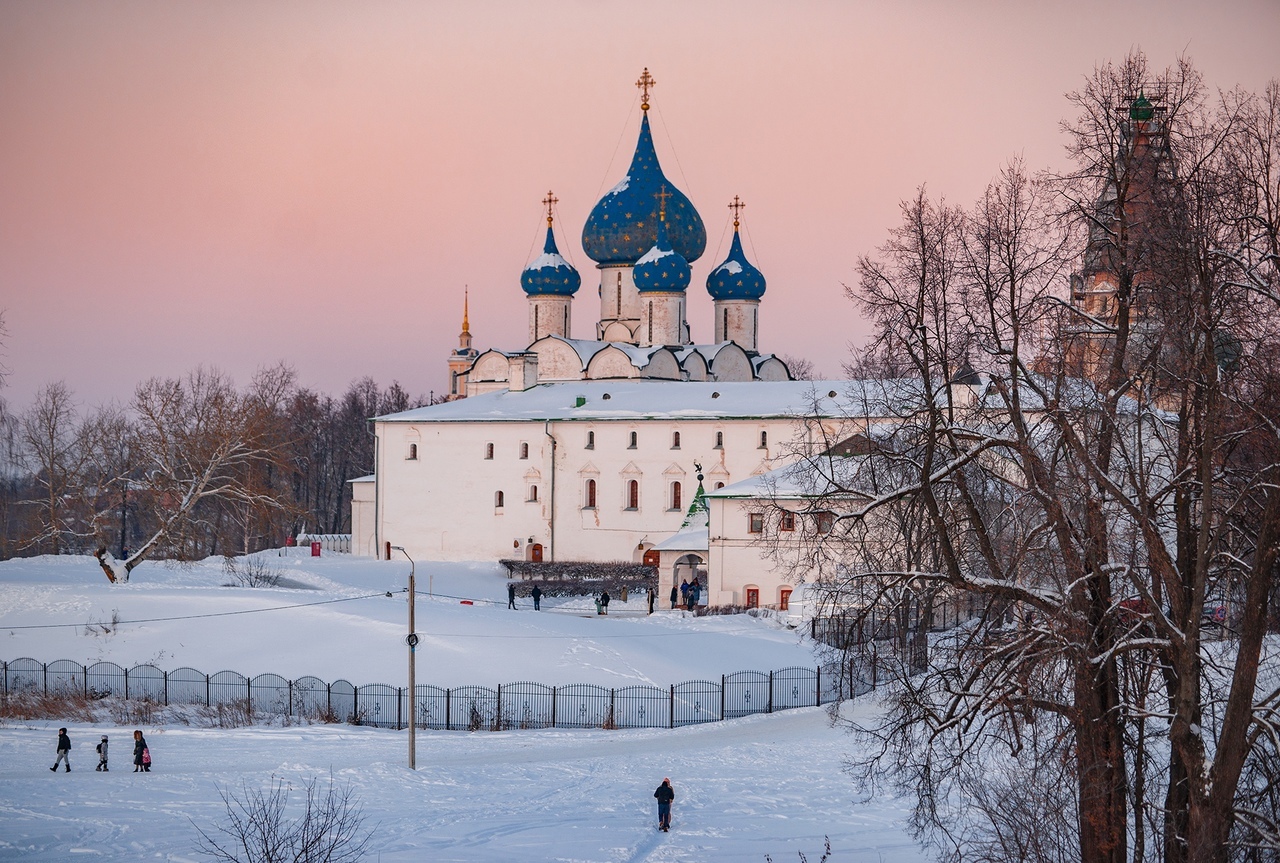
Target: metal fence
[(472, 708)]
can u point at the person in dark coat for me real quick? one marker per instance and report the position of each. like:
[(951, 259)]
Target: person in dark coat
[(675, 595), (537, 598), (664, 795), (102, 755), (604, 602), (511, 595), (64, 751), (653, 597), (141, 755)]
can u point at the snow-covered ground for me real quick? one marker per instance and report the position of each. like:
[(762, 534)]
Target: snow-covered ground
[(769, 784)]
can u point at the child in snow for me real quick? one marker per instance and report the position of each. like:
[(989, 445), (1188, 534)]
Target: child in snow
[(604, 602), (102, 755), (665, 794), (141, 754), (64, 751)]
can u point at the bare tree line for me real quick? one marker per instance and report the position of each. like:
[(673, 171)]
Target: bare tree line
[(190, 467), (1090, 461)]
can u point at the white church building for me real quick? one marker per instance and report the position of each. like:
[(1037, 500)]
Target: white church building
[(585, 450)]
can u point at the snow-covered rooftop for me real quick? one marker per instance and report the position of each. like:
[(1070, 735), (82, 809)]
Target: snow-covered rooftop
[(613, 400)]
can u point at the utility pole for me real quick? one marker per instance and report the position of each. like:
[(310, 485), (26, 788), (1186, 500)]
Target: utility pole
[(412, 641)]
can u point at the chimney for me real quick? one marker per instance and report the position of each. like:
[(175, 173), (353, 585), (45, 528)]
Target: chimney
[(523, 371)]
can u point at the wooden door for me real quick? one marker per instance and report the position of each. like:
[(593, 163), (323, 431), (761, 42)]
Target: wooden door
[(753, 597), (536, 553)]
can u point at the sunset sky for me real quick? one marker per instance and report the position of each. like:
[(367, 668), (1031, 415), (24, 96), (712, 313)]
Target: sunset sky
[(237, 183)]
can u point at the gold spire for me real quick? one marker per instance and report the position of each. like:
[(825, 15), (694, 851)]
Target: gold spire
[(549, 201), (737, 207), (662, 202), (644, 83), (466, 297)]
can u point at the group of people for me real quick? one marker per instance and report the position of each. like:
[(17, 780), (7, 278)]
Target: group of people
[(141, 753), (536, 593), (686, 594)]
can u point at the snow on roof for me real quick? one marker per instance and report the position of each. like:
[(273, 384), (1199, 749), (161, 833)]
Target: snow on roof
[(729, 267), (372, 477), (691, 537), (635, 399), (654, 254)]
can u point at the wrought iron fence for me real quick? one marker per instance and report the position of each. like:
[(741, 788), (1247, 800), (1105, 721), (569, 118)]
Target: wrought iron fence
[(521, 705)]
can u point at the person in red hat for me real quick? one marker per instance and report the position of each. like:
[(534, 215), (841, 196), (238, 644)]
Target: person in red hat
[(665, 794)]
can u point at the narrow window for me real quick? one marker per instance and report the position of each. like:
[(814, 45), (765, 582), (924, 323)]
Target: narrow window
[(719, 440), (619, 303), (651, 322), (591, 440), (787, 521), (533, 494), (413, 452), (824, 522), (497, 500), (675, 440), (591, 494), (535, 322), (524, 450), (724, 335), (784, 599), (764, 440), (676, 503), (719, 485), (566, 322), (488, 450), (633, 494), (632, 445), (755, 522)]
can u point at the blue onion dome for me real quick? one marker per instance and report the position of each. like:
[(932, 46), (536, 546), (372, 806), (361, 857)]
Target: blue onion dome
[(661, 269), (736, 278), (550, 273), (624, 224)]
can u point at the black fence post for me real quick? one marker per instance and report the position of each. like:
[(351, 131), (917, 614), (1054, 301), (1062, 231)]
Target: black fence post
[(672, 721), (85, 669), (817, 690), (248, 688), (553, 707), (448, 719), (722, 679), (355, 704), (290, 707), (399, 706), (44, 666), (497, 720), (328, 699), (769, 709), (208, 695), (166, 688), (126, 684)]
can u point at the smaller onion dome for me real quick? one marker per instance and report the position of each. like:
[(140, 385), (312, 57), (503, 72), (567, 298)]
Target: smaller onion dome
[(736, 278), (661, 269), (550, 273), (1141, 109)]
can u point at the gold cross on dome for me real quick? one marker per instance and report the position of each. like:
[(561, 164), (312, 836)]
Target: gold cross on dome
[(737, 207), (549, 201), (644, 83), (662, 202)]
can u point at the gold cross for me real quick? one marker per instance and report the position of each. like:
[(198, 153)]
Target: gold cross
[(549, 201), (662, 202), (646, 81), (736, 206)]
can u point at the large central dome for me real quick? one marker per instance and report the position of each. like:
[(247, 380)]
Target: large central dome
[(624, 224)]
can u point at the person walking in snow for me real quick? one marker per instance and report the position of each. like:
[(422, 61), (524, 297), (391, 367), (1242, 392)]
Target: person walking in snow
[(511, 595), (684, 592), (537, 598), (102, 755), (664, 795), (653, 597), (604, 602), (675, 595), (141, 754), (64, 751)]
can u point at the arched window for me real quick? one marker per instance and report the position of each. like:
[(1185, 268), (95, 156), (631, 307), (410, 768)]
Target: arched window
[(591, 440), (632, 445), (533, 494), (413, 452), (524, 450), (633, 494), (675, 440), (676, 502), (497, 500), (719, 485), (488, 450), (591, 494), (764, 440), (720, 440)]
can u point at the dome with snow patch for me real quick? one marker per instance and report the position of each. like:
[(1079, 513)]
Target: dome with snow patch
[(661, 269), (550, 273), (624, 224), (736, 278)]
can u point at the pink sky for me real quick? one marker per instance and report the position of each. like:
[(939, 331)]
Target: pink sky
[(240, 183)]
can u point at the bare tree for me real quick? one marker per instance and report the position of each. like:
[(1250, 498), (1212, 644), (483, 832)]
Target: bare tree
[(53, 449), (199, 440), (258, 830), (1107, 483)]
